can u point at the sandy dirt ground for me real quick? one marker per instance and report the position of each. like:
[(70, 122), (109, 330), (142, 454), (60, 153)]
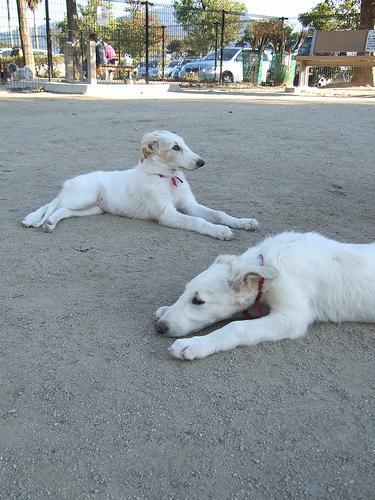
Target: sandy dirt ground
[(91, 404)]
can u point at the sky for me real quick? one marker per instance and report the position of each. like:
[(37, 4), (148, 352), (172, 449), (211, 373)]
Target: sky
[(276, 8), (279, 8)]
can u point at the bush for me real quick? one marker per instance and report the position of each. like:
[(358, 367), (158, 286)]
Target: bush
[(41, 64), (190, 77)]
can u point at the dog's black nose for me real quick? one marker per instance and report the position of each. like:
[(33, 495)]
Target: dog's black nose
[(161, 327), (200, 163)]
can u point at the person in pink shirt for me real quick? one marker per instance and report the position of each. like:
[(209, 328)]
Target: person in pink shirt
[(111, 58), (109, 51)]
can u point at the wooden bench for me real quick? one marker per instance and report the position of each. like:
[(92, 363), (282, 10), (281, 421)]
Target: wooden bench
[(362, 41), (120, 67)]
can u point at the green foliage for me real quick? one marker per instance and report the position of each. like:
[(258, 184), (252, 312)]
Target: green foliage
[(175, 47), (272, 31), (190, 77), (132, 32), (127, 34), (41, 64), (332, 15), (87, 19), (201, 21), (33, 4)]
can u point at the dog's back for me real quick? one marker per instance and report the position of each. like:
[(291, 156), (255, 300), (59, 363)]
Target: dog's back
[(336, 280)]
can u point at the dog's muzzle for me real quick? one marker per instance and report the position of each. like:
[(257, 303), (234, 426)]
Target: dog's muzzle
[(161, 327)]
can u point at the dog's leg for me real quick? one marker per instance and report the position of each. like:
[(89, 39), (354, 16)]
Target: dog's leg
[(276, 326), (219, 217), (33, 219), (74, 199), (64, 213), (172, 218)]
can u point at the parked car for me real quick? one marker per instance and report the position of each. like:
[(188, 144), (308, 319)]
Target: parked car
[(5, 51), (40, 52), (232, 67), (305, 48), (17, 52), (205, 67), (154, 70), (169, 67), (176, 70)]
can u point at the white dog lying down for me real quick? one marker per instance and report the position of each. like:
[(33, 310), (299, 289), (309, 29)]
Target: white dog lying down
[(155, 189), (301, 277)]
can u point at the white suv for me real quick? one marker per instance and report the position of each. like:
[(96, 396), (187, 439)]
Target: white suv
[(232, 69), (205, 67)]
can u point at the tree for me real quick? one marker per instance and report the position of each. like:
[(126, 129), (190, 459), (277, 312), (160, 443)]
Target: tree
[(201, 20), (319, 18), (73, 37), (332, 15), (366, 76), (132, 31), (175, 47), (347, 14), (127, 33), (33, 4), (27, 48), (273, 31)]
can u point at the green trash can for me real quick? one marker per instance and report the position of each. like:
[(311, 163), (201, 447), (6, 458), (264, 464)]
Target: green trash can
[(292, 69), (249, 65), (283, 67)]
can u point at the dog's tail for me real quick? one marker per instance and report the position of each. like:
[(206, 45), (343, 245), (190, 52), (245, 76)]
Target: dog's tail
[(37, 218)]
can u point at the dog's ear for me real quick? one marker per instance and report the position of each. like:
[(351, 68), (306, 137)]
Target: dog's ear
[(150, 144), (248, 280)]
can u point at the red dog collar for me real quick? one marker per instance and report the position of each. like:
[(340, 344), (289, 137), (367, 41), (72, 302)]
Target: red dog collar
[(257, 306), (173, 179)]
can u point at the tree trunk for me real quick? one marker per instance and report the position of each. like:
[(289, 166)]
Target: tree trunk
[(27, 49), (73, 36), (365, 76)]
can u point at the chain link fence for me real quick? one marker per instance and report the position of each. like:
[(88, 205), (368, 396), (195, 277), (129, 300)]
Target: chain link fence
[(153, 42)]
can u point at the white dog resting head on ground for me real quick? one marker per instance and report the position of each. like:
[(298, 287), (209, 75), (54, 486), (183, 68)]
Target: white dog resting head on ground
[(155, 189), (301, 277)]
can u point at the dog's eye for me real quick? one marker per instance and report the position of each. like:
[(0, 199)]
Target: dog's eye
[(176, 147), (197, 302)]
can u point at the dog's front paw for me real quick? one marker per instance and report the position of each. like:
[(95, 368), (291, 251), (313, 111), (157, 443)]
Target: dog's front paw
[(48, 227), (159, 313), (30, 220), (222, 233), (189, 349), (247, 224)]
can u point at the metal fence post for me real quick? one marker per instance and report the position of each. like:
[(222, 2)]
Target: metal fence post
[(9, 26), (147, 39), (163, 50), (216, 45), (119, 45), (49, 44), (81, 43), (222, 45)]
